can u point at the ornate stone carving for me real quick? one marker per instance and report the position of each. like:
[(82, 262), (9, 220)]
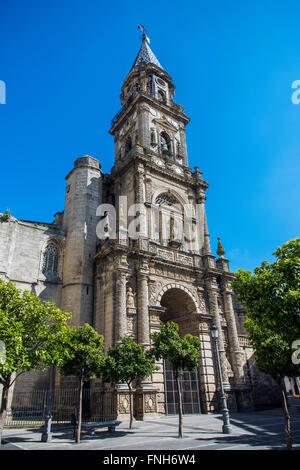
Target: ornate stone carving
[(154, 289), (130, 298), (202, 303), (184, 259), (150, 403), (165, 254), (123, 403)]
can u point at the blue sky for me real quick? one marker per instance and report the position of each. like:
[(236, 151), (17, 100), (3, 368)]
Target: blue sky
[(233, 64)]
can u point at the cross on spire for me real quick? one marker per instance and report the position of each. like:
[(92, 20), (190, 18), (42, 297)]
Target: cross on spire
[(145, 54), (145, 37)]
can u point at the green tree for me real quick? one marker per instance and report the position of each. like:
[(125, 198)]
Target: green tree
[(127, 362), (272, 293), (32, 332), (183, 354), (273, 355), (272, 298), (83, 358)]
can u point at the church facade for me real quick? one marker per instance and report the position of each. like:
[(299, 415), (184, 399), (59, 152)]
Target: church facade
[(132, 248)]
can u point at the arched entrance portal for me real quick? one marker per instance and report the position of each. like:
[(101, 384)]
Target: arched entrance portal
[(179, 307)]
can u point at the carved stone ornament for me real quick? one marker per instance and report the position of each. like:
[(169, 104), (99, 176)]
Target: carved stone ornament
[(130, 298), (154, 289)]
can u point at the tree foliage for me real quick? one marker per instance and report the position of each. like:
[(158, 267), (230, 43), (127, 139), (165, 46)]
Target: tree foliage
[(33, 335), (127, 362), (272, 298), (183, 354), (31, 330), (84, 358), (83, 353), (273, 355), (272, 293)]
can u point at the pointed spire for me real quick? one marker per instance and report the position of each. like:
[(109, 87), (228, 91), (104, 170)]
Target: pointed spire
[(220, 250), (145, 53), (206, 246)]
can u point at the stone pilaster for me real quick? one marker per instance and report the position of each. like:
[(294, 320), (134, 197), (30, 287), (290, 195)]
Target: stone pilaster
[(143, 123), (200, 200), (121, 318), (143, 313), (183, 145), (207, 376), (140, 199), (236, 352), (212, 290)]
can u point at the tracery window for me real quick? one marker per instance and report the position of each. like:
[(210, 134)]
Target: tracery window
[(164, 198), (50, 260)]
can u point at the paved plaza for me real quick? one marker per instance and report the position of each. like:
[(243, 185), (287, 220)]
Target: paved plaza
[(262, 430)]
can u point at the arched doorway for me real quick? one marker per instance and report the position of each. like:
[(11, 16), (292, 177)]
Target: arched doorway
[(179, 307)]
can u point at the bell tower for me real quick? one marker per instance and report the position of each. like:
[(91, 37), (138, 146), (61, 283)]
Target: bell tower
[(165, 270), (149, 116), (151, 163)]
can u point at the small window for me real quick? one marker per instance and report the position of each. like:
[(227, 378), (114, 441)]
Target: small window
[(128, 144), (50, 260), (153, 138), (165, 143), (161, 96)]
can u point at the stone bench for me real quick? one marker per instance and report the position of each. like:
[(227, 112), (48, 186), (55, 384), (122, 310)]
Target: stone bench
[(91, 427)]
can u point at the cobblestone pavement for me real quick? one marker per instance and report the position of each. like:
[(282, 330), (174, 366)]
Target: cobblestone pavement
[(250, 431)]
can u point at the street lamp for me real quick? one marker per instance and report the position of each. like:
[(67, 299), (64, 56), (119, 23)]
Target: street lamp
[(47, 434), (226, 422)]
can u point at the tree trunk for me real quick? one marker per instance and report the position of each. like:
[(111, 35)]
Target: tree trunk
[(78, 429), (130, 406), (180, 432), (286, 417), (4, 403)]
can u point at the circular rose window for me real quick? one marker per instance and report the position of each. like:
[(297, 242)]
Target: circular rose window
[(160, 82)]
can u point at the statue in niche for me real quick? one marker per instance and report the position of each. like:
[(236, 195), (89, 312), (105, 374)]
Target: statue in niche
[(130, 298)]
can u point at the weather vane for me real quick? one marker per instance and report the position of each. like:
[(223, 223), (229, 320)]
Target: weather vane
[(145, 37)]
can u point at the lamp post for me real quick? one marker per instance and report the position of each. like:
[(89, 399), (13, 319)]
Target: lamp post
[(226, 422), (47, 434)]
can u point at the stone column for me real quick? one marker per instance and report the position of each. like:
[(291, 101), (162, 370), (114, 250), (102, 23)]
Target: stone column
[(143, 313), (140, 187), (212, 289), (236, 352), (121, 319), (200, 217), (143, 316), (183, 144), (143, 123), (140, 199)]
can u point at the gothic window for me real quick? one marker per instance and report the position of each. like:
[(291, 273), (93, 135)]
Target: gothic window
[(50, 260)]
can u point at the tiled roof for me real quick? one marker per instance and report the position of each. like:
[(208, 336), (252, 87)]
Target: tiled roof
[(145, 54)]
